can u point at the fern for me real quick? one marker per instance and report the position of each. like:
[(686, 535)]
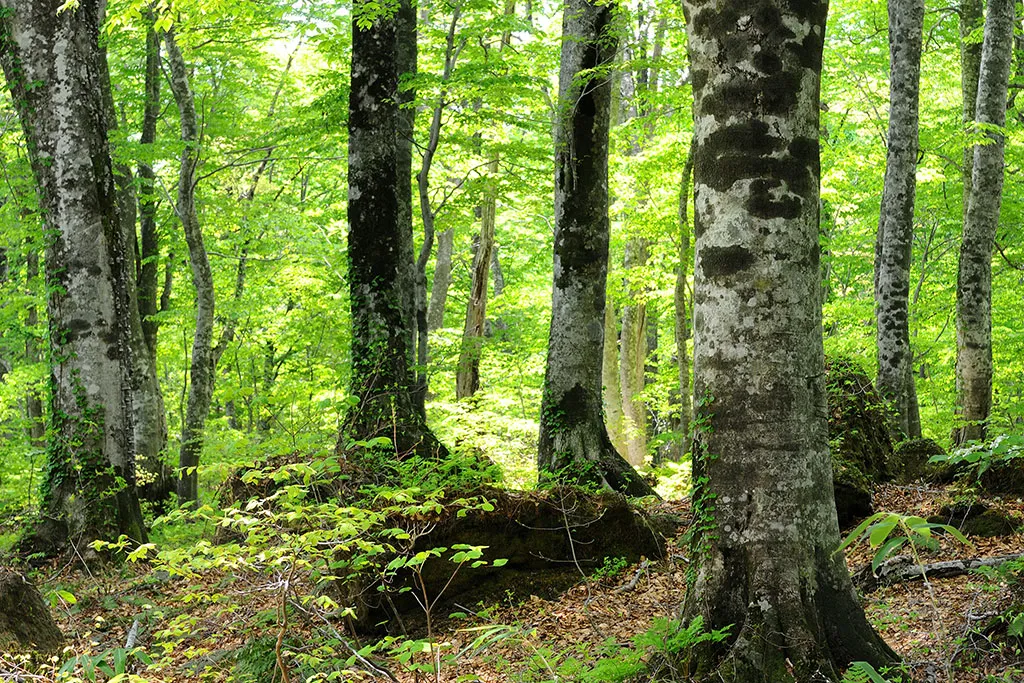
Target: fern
[(862, 672)]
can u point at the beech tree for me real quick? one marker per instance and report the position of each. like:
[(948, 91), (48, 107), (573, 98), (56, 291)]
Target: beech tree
[(764, 546), (974, 277), (56, 71), (574, 442), (381, 269), (894, 241)]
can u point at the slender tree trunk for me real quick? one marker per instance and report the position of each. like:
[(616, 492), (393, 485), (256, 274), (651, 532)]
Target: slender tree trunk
[(633, 356), (894, 241), (56, 72), (682, 309), (380, 254), (200, 392), (442, 279), (467, 376), (33, 401), (611, 394), (971, 19), (974, 278), (765, 528), (149, 243), (574, 443)]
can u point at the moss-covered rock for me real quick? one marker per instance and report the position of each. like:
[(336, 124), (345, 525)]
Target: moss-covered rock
[(910, 462), (26, 624)]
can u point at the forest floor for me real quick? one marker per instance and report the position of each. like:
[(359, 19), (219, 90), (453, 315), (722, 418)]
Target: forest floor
[(933, 626)]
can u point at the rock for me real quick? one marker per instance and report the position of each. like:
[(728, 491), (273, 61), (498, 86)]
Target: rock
[(977, 519), (26, 624), (910, 462)]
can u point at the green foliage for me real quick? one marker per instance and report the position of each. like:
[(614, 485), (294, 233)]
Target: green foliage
[(976, 458), (879, 529), (862, 672)]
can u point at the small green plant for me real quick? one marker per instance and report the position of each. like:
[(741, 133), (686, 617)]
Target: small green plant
[(916, 532), (862, 672), (111, 666), (611, 568), (978, 457)]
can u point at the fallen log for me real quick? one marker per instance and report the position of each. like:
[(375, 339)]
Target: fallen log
[(903, 568)]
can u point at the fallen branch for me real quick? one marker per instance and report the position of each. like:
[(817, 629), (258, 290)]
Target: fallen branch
[(902, 568)]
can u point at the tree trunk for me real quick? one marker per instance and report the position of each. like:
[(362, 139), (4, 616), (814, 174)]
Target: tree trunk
[(765, 527), (380, 254), (467, 376), (34, 401), (971, 19), (974, 278), (894, 241), (442, 279), (611, 394), (55, 69), (574, 443), (633, 357), (682, 314), (200, 391), (149, 243)]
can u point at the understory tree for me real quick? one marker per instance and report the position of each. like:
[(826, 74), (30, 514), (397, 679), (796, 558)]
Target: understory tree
[(574, 443), (974, 277), (379, 250), (764, 543), (57, 73)]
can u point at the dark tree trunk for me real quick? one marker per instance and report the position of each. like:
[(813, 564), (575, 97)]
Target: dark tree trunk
[(56, 72), (764, 560), (974, 278), (574, 443), (894, 241), (200, 391), (681, 326), (149, 242), (380, 254)]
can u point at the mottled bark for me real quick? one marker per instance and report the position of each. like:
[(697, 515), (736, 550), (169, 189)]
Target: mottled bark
[(974, 277), (380, 254), (200, 392), (971, 19), (56, 72), (467, 376), (442, 279), (611, 394), (765, 530), (574, 443), (680, 296), (895, 237), (149, 238)]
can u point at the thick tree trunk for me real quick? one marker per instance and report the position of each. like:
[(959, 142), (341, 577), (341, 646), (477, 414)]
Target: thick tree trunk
[(380, 254), (574, 443), (764, 560), (442, 279), (200, 391), (894, 241), (55, 69), (974, 278)]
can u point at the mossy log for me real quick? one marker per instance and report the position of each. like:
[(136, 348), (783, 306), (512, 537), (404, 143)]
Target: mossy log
[(26, 624)]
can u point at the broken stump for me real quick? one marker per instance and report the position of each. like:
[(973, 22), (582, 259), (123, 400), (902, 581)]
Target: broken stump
[(26, 624)]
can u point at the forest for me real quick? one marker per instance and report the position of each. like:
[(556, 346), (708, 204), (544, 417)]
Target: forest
[(467, 340)]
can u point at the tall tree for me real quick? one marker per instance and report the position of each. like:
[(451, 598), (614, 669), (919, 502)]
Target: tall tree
[(766, 529), (574, 442), (380, 254), (56, 71), (974, 277), (200, 392), (895, 237)]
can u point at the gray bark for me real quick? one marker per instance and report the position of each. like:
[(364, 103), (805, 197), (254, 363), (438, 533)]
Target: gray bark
[(200, 391), (380, 254), (681, 326), (765, 535), (442, 279), (611, 394), (895, 237), (574, 443), (974, 277), (56, 72), (467, 376), (633, 357), (971, 19)]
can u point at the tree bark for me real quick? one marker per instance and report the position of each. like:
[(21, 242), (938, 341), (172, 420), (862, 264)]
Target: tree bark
[(611, 394), (467, 376), (765, 527), (971, 19), (974, 277), (633, 357), (200, 391), (442, 279), (33, 401), (574, 443), (895, 237), (682, 315), (380, 255), (56, 72)]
